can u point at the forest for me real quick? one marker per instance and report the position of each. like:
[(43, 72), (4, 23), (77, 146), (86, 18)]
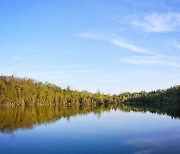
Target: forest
[(166, 101), (16, 91)]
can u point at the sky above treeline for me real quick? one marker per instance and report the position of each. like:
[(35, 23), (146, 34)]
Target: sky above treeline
[(107, 45)]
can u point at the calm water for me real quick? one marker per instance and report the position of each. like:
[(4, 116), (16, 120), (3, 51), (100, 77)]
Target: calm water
[(88, 130)]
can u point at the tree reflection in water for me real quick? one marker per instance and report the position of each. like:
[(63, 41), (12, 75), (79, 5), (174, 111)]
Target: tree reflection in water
[(27, 117)]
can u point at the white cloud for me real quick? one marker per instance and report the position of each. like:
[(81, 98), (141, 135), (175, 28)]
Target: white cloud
[(142, 60), (14, 68), (159, 22), (148, 57), (154, 141), (176, 45), (160, 60), (116, 41), (89, 35), (128, 46)]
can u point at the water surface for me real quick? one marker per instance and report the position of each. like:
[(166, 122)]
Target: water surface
[(102, 129)]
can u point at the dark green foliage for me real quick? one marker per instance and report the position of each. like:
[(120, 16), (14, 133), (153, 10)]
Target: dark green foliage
[(171, 95), (167, 101), (27, 92), (16, 91)]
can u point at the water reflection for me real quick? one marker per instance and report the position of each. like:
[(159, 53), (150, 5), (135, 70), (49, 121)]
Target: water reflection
[(14, 118), (158, 143), (87, 129)]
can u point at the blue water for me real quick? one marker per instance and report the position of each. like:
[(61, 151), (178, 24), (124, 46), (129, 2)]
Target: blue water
[(109, 132)]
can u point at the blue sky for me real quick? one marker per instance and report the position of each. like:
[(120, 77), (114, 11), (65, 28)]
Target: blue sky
[(111, 46)]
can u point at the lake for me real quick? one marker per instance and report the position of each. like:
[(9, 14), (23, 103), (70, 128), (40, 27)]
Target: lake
[(104, 129)]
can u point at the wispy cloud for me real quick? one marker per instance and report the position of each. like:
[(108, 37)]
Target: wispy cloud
[(159, 22), (90, 35), (154, 141), (154, 144), (125, 45), (114, 40), (160, 60), (176, 45), (147, 58), (14, 68)]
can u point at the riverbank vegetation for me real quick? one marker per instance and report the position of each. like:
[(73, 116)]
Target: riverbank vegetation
[(25, 102), (162, 101), (28, 92), (17, 91)]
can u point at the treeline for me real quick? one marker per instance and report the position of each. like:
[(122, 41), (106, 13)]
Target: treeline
[(160, 101), (164, 97), (169, 95), (17, 91)]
